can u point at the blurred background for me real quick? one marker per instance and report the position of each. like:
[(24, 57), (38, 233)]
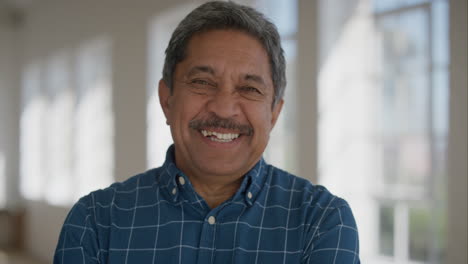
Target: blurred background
[(376, 110)]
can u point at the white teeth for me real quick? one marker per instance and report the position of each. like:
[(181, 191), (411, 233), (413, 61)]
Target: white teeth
[(219, 137)]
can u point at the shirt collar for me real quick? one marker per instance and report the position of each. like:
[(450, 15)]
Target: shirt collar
[(252, 183), (250, 187), (169, 174)]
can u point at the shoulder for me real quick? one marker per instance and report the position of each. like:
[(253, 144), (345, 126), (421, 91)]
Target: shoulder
[(303, 188), (320, 205), (128, 187), (99, 202), (328, 219)]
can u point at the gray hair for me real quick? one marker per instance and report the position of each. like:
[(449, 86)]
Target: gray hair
[(227, 15)]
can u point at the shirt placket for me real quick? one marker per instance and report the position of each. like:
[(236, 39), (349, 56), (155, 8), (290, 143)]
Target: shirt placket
[(208, 239), (208, 232)]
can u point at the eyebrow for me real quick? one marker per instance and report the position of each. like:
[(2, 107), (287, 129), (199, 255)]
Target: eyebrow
[(198, 69), (254, 78)]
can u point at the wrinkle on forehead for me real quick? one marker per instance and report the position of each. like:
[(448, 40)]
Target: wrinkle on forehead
[(211, 71)]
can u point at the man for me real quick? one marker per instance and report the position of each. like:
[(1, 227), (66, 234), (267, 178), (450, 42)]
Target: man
[(215, 200)]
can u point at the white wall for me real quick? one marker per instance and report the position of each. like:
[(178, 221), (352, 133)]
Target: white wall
[(9, 113), (8, 126), (307, 71), (458, 144)]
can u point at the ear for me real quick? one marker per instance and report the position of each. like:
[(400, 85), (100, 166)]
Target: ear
[(165, 99), (276, 112)]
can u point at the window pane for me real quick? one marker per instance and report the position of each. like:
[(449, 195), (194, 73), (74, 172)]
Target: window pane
[(281, 150), (392, 64), (282, 13), (159, 32), (32, 136), (407, 161), (405, 97), (440, 33), (419, 234), (282, 146), (59, 144), (440, 100), (94, 117), (405, 76), (426, 237), (387, 230), (387, 5)]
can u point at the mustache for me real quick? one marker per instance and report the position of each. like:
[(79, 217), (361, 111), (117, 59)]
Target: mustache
[(218, 122)]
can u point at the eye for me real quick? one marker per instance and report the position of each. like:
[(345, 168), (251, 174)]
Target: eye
[(250, 89), (201, 86), (200, 82), (251, 93)]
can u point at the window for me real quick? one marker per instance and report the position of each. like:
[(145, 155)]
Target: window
[(66, 126), (383, 104), (158, 133), (282, 147), (94, 139), (58, 144), (413, 86), (32, 133)]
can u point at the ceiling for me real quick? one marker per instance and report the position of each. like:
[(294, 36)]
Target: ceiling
[(11, 11), (15, 4)]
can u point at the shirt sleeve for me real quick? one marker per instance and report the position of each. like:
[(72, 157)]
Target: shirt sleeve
[(78, 243), (334, 237)]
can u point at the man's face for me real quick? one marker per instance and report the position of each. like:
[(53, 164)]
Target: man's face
[(220, 110)]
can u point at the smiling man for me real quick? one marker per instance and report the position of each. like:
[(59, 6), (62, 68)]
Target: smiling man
[(220, 110), (215, 200)]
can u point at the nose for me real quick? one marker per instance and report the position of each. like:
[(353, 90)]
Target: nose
[(224, 104)]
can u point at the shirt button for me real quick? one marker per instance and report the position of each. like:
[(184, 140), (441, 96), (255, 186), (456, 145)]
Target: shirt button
[(211, 220), (249, 194), (174, 191), (181, 180)]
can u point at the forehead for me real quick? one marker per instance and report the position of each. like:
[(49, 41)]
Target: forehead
[(231, 49), (213, 37)]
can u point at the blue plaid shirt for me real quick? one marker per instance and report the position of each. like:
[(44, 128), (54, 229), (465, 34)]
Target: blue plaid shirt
[(157, 217)]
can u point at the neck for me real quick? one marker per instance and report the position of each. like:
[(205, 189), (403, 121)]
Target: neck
[(215, 189)]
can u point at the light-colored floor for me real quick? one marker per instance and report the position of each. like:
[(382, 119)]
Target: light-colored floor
[(16, 257)]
